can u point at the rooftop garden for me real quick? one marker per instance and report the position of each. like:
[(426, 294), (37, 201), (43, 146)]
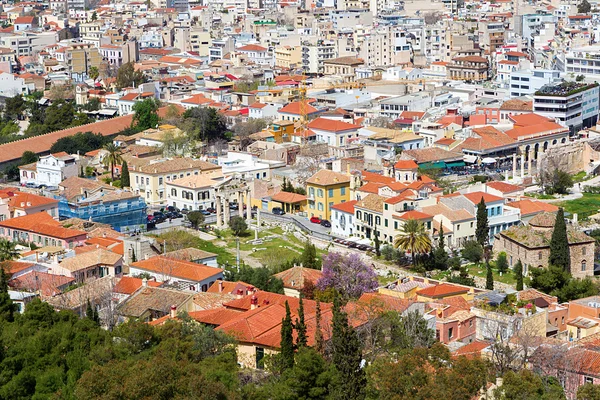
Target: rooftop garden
[(510, 306), (564, 89)]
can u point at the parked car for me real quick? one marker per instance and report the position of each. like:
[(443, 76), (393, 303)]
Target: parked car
[(278, 211), (326, 223), (172, 209), (315, 220), (234, 206), (185, 211), (150, 218), (211, 210), (174, 215), (31, 185), (205, 212), (352, 245)]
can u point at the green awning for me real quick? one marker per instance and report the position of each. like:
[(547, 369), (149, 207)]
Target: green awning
[(455, 164), (434, 165)]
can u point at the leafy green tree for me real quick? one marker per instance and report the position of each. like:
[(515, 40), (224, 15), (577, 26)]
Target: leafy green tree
[(204, 124), (489, 278), (454, 263), (82, 142), (14, 107), (7, 307), (410, 331), (463, 277), (196, 218), (127, 76), (309, 257), (589, 391), (482, 231), (94, 17), (91, 313), (112, 158), (261, 278), (472, 251), (125, 180), (527, 385), (559, 244), (287, 340), (584, 7), (502, 262), (518, 271), (414, 238), (145, 114), (439, 254), (350, 378), (556, 181), (7, 250), (93, 71), (59, 115), (300, 326), (92, 104), (28, 157), (238, 226)]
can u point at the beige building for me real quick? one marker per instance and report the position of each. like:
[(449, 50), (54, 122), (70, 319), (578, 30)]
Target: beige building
[(343, 66), (531, 245), (81, 57), (288, 56), (468, 68), (149, 181), (200, 41)]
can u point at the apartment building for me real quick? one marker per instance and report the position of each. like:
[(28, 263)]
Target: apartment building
[(528, 81), (323, 190), (289, 57), (386, 46), (583, 60), (468, 68), (80, 58), (200, 41), (314, 55)]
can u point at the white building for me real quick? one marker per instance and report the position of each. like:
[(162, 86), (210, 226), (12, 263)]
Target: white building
[(194, 192), (527, 82), (247, 166), (257, 54), (342, 219), (584, 60), (334, 133), (11, 85), (50, 170)]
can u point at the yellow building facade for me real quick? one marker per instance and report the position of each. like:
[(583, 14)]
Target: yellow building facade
[(323, 190)]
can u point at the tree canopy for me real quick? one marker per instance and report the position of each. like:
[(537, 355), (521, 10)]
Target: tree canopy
[(347, 274)]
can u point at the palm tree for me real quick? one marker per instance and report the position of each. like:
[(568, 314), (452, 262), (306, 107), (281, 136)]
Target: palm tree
[(112, 158), (413, 238), (7, 250)]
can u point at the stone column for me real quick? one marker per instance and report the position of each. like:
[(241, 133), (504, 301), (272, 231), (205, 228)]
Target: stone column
[(522, 165), (529, 160), (514, 166), (248, 207), (227, 216), (219, 212), (240, 201)]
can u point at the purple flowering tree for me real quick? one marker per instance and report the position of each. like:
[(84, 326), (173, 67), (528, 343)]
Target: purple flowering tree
[(347, 274)]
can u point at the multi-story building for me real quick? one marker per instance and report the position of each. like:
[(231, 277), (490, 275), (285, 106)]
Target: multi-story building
[(28, 43), (150, 180), (468, 68), (334, 133), (289, 57), (386, 46), (584, 61), (41, 230), (194, 192), (219, 48), (528, 81), (119, 54), (491, 35), (80, 58), (323, 190), (394, 106), (313, 56), (49, 170), (257, 54), (200, 41), (343, 66), (574, 104)]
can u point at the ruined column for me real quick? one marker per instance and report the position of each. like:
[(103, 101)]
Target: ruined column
[(219, 212), (522, 165), (227, 213), (514, 166), (240, 201), (529, 161), (248, 207)]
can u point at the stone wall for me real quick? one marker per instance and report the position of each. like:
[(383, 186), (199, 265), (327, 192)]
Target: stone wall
[(572, 157)]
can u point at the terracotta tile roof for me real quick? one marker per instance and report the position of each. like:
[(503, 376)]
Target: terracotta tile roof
[(504, 187), (532, 294), (197, 99), (153, 298), (414, 115), (371, 187), (178, 268), (406, 164), (347, 207), (24, 20), (445, 141), (375, 177), (331, 125), (89, 259), (13, 267), (515, 54), (41, 223), (372, 202), (543, 220), (175, 165), (294, 108), (472, 349), (487, 138), (432, 154), (405, 195), (215, 317), (129, 285), (452, 215), (442, 290), (347, 60), (230, 287), (544, 128), (475, 197), (327, 177), (508, 62), (528, 119), (22, 200), (413, 214), (41, 144), (295, 277), (257, 105), (252, 47), (529, 207), (189, 254), (289, 198), (517, 105), (48, 284)]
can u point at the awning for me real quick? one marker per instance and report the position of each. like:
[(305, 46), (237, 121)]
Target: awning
[(455, 164), (489, 160), (433, 165), (470, 159)]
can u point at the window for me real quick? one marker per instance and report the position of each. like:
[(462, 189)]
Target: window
[(320, 206), (471, 224), (377, 220), (330, 192), (311, 192), (589, 379), (539, 255), (330, 204), (450, 332), (358, 215), (385, 206), (160, 180), (583, 265), (174, 192), (319, 192), (385, 222), (343, 191), (458, 227), (147, 181)]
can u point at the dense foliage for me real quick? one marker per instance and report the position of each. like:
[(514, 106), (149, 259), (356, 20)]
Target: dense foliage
[(558, 282), (559, 244), (347, 274), (82, 142)]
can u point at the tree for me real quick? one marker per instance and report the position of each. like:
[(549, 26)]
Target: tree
[(439, 255), (527, 385), (92, 104), (14, 107), (518, 271), (559, 244), (589, 391), (59, 116), (7, 307), (127, 76), (584, 7), (91, 313), (204, 124), (112, 158), (196, 218), (348, 275), (300, 326), (7, 250), (555, 180), (243, 130), (482, 231), (463, 277), (410, 331), (82, 142), (238, 226), (94, 73), (502, 262), (287, 340), (125, 175), (28, 157), (309, 257), (472, 251), (350, 378), (489, 278), (413, 238), (558, 282), (94, 17), (145, 114), (377, 243)]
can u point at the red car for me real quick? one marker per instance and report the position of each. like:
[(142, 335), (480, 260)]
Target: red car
[(315, 220)]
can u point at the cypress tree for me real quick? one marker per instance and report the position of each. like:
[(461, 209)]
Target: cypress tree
[(559, 244), (301, 338), (308, 258), (287, 340), (518, 270), (351, 379), (483, 230), (125, 175), (489, 279), (319, 345), (7, 307), (377, 243)]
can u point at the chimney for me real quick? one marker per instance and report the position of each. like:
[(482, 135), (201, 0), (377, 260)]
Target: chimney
[(173, 311), (253, 302), (220, 286), (145, 282), (28, 204), (22, 204), (239, 294)]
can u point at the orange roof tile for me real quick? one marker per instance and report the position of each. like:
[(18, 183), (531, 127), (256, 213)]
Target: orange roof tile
[(472, 349), (12, 267), (228, 287), (252, 47), (330, 125), (22, 200), (504, 187), (347, 207), (129, 285), (413, 214), (375, 177), (43, 224), (530, 207), (286, 197), (178, 268), (442, 290), (406, 164), (475, 197), (294, 108)]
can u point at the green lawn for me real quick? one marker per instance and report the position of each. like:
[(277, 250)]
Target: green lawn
[(541, 196), (181, 239), (588, 205), (480, 271), (580, 176)]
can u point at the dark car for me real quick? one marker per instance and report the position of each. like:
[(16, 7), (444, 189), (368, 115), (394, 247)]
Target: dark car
[(352, 245), (211, 210), (205, 212), (315, 220), (172, 209), (326, 223), (234, 206), (185, 211), (278, 211)]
